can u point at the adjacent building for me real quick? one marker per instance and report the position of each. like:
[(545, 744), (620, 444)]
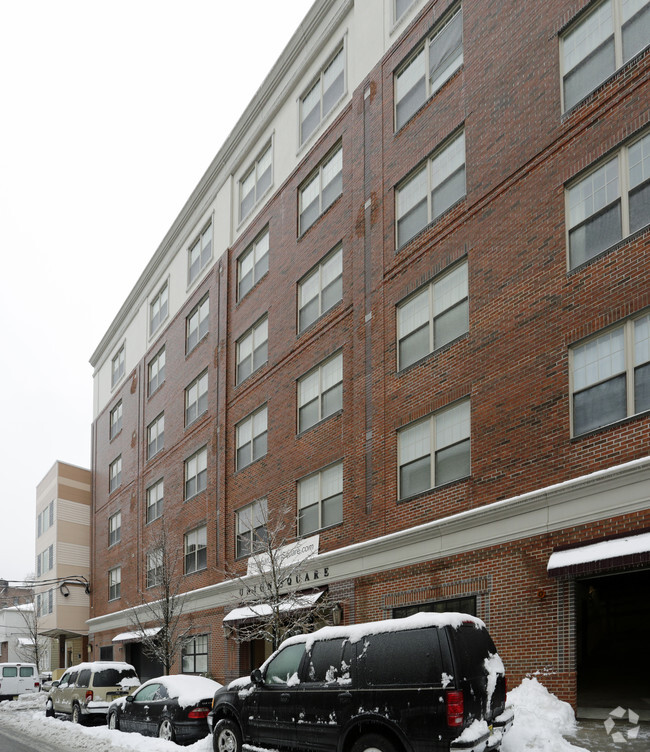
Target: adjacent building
[(407, 308)]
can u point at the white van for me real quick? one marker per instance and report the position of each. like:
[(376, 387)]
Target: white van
[(18, 678)]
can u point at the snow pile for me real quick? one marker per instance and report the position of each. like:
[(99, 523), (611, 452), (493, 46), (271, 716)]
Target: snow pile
[(541, 721), (189, 690)]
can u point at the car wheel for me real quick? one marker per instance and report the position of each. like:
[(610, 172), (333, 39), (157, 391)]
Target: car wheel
[(226, 736), (373, 743), (166, 730), (77, 717), (49, 709), (113, 721)]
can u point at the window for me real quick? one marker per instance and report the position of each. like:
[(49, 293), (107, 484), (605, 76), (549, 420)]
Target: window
[(321, 190), (252, 349), (387, 663), (428, 69), (114, 583), (197, 324), (400, 8), (320, 392), (194, 655), (320, 499), (251, 528), (196, 398), (251, 437), (116, 420), (199, 254), (118, 365), (610, 203), (45, 561), (155, 568), (114, 528), (256, 182), (196, 473), (158, 309), (284, 667), (253, 264), (435, 450), (461, 605), (322, 95), (321, 289), (155, 436), (600, 42), (611, 376), (115, 474), (434, 188), (433, 316), (45, 519), (157, 371), (196, 552), (155, 499)]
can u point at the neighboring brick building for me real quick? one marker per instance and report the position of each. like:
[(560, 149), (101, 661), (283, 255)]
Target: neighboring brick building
[(409, 305)]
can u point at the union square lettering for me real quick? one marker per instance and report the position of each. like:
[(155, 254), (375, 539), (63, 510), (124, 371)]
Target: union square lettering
[(300, 578)]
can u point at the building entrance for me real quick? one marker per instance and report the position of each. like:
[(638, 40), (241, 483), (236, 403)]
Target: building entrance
[(613, 656)]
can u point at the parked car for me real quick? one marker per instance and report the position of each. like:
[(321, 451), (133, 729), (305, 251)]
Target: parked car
[(426, 682), (84, 692), (46, 681), (171, 707), (18, 678)]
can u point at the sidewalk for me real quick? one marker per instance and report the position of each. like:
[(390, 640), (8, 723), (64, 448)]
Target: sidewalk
[(592, 735)]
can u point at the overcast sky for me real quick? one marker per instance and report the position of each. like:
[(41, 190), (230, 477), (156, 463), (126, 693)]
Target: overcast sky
[(110, 113)]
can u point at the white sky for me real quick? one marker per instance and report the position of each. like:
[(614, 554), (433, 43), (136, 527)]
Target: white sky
[(110, 113)]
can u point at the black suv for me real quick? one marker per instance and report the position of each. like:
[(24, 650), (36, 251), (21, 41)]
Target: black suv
[(427, 682)]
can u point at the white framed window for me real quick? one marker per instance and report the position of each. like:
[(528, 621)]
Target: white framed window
[(320, 499), (399, 8), (154, 567), (194, 655), (115, 420), (196, 549), (157, 371), (432, 317), (115, 474), (196, 473), (197, 324), (320, 190), (434, 187), (196, 398), (252, 528), (199, 254), (600, 42), (45, 560), (155, 500), (114, 583), (611, 202), (251, 437), (323, 94), (320, 392), (611, 376), (45, 519), (118, 365), (434, 450), (156, 436), (252, 349), (114, 529), (253, 264), (256, 181), (321, 289), (429, 67), (158, 309)]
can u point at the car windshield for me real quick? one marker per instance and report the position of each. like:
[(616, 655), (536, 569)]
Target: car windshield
[(111, 677)]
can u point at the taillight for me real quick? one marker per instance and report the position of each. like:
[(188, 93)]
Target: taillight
[(198, 713), (37, 684), (89, 695), (455, 708)]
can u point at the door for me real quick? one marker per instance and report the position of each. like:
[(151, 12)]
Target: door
[(141, 714), (26, 678), (272, 712)]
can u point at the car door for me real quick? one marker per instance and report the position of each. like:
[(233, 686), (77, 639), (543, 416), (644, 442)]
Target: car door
[(137, 712), (26, 676), (271, 713)]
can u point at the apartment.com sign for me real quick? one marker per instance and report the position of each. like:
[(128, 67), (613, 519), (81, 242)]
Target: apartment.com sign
[(291, 556)]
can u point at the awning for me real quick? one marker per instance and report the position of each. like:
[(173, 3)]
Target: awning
[(136, 636), (605, 555), (25, 642), (260, 610)]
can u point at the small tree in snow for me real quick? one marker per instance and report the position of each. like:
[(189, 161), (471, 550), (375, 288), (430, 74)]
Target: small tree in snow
[(159, 620), (274, 598), (35, 647)]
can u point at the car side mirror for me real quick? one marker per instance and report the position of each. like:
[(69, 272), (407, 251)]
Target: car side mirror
[(129, 698), (55, 684), (256, 676)]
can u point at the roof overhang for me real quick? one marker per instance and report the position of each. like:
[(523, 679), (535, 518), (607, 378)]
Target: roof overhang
[(621, 552), (136, 636), (60, 632), (261, 610)]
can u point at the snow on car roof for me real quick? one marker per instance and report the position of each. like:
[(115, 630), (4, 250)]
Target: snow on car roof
[(100, 665), (187, 688)]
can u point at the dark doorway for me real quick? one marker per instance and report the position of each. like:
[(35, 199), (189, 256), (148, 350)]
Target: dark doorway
[(613, 654), (145, 667)]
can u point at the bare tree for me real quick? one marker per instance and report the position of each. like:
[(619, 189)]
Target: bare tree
[(275, 600), (35, 648), (159, 620)]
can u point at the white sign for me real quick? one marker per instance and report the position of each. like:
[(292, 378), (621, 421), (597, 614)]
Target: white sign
[(285, 556)]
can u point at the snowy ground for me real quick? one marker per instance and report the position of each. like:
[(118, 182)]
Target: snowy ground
[(542, 724)]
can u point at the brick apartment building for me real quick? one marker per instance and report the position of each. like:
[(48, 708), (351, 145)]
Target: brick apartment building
[(408, 305)]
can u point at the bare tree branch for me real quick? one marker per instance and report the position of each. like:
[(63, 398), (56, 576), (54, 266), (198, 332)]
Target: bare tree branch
[(36, 649)]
